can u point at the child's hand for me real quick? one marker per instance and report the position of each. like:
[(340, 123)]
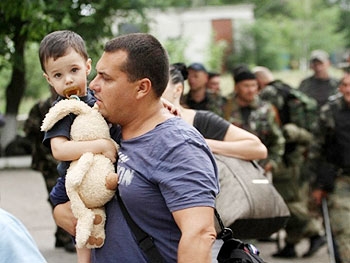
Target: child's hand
[(112, 181), (109, 149)]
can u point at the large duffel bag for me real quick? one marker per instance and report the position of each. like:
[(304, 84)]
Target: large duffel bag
[(247, 202)]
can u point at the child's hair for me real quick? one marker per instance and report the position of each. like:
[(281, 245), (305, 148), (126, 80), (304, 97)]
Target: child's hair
[(57, 43)]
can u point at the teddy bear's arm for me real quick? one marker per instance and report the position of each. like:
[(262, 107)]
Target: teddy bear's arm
[(79, 170)]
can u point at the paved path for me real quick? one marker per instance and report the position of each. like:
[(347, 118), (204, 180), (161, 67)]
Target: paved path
[(23, 193)]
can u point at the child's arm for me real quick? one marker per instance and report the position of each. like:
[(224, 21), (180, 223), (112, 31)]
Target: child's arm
[(66, 150), (83, 255)]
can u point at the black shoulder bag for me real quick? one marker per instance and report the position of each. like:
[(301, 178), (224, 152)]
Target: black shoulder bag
[(232, 251)]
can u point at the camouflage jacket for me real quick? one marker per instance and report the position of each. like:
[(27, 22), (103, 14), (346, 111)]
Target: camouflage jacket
[(262, 121), (298, 114), (332, 144), (293, 105)]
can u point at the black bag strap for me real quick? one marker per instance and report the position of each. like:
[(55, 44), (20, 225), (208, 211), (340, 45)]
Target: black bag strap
[(226, 233), (144, 240)]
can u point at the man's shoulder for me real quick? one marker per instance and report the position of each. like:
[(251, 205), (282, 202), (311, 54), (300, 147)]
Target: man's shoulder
[(336, 98), (334, 82), (334, 102), (262, 105), (306, 81), (215, 103), (269, 91), (276, 93), (176, 125)]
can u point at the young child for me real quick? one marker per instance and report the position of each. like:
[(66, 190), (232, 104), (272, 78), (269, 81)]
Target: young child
[(66, 65)]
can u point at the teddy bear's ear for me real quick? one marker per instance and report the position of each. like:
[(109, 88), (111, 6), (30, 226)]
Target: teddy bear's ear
[(62, 109)]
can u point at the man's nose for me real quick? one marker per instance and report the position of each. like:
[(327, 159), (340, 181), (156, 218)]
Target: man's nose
[(92, 84)]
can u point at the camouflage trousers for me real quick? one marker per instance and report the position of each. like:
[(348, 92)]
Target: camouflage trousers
[(339, 213), (303, 223)]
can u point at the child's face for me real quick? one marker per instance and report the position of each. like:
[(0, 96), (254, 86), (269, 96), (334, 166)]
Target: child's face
[(67, 72)]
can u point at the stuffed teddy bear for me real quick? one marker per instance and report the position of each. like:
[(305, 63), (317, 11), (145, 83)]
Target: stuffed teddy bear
[(91, 180)]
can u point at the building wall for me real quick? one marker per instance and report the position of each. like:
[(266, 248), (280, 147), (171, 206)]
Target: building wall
[(197, 25)]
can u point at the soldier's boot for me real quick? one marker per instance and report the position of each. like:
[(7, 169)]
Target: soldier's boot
[(316, 242), (287, 252)]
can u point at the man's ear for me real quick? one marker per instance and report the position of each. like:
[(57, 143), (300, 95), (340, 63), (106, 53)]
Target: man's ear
[(144, 87), (47, 78)]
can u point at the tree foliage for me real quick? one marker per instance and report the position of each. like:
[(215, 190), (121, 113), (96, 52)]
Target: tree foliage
[(23, 22), (344, 19), (287, 36)]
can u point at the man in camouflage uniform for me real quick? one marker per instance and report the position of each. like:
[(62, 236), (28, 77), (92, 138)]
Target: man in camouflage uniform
[(43, 161), (320, 85), (297, 120), (332, 155), (199, 97), (245, 109)]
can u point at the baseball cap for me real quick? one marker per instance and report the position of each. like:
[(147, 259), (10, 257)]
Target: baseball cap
[(197, 67), (319, 55)]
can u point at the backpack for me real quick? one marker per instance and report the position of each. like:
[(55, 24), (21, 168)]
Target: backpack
[(298, 108), (302, 109)]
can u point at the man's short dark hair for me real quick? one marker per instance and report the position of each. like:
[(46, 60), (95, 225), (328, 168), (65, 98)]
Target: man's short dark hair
[(146, 59), (241, 73), (213, 74)]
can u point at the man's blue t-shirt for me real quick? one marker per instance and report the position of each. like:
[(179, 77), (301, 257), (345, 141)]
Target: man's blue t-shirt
[(165, 170)]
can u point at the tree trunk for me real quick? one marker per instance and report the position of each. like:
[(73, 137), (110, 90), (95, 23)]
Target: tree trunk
[(15, 89)]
